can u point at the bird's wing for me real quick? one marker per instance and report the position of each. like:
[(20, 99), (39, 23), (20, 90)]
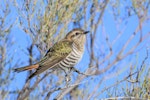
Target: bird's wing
[(54, 55)]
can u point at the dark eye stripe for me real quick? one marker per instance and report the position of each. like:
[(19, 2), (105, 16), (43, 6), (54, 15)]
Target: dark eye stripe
[(73, 36), (77, 33)]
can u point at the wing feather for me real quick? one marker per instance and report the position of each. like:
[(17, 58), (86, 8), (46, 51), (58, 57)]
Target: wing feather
[(55, 54)]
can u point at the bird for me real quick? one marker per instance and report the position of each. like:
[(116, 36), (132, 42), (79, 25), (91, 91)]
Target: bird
[(64, 54)]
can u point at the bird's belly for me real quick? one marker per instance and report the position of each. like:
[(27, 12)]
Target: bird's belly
[(71, 60)]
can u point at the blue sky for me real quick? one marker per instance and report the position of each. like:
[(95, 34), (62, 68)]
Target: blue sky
[(108, 26)]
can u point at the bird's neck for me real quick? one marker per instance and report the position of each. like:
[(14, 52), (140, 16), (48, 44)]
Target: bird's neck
[(79, 46)]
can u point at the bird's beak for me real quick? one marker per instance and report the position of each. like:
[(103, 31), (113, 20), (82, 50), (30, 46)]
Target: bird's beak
[(86, 32)]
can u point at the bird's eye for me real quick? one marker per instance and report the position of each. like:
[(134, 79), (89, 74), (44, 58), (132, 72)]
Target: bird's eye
[(77, 33)]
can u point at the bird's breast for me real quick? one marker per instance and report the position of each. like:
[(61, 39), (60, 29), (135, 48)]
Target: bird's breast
[(72, 59)]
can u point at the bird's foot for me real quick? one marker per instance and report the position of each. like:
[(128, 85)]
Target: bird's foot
[(77, 71), (68, 80)]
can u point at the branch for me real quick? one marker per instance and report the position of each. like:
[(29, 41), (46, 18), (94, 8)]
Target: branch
[(80, 78)]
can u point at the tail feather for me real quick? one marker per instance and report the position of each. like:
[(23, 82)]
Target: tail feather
[(30, 67)]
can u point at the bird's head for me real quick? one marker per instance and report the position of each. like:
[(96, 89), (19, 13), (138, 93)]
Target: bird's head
[(77, 35)]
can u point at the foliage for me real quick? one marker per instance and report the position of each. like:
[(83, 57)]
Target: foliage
[(119, 33)]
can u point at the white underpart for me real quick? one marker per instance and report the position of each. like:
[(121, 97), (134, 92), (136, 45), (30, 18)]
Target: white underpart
[(72, 59)]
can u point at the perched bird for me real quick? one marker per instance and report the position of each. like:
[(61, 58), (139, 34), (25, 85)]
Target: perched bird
[(64, 54)]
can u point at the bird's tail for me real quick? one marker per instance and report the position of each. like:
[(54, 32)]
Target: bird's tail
[(30, 67)]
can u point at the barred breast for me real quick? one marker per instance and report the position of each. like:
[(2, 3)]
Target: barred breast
[(72, 59)]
